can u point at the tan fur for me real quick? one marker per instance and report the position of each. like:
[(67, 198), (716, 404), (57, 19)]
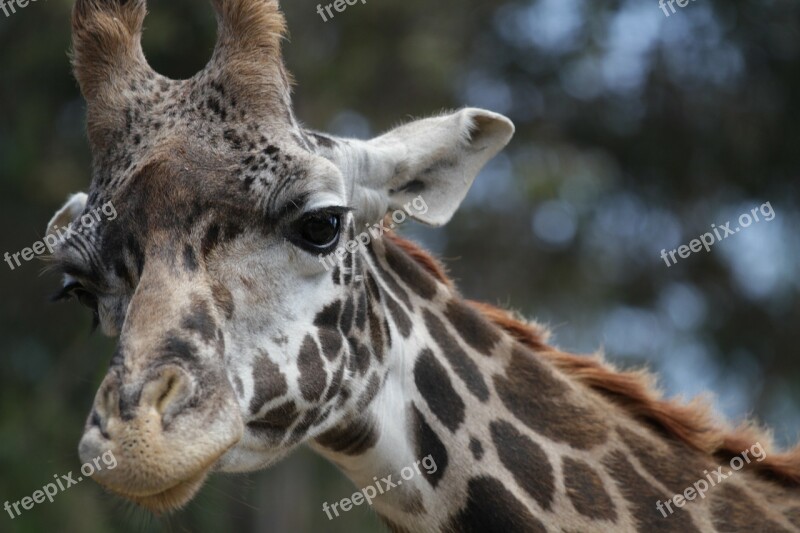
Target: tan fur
[(246, 25), (106, 43), (248, 52), (106, 56)]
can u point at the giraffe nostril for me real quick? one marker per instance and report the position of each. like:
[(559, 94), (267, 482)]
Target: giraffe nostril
[(167, 392), (108, 404), (100, 423)]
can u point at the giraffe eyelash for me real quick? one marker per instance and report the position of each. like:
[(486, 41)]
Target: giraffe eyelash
[(65, 293), (76, 290)]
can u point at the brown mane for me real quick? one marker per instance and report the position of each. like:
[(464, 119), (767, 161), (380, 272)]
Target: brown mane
[(635, 391)]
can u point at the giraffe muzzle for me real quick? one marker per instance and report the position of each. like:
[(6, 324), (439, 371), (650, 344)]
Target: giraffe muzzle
[(166, 432)]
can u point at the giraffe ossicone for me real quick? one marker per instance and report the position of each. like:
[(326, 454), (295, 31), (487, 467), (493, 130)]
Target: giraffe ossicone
[(236, 345)]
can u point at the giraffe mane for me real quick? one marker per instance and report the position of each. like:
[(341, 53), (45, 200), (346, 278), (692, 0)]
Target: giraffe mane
[(635, 391)]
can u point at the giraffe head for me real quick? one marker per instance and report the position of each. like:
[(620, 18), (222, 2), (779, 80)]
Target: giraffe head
[(241, 331)]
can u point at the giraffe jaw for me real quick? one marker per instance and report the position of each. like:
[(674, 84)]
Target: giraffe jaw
[(249, 456), (172, 498)]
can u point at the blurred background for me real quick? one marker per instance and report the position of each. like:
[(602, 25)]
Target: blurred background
[(635, 132)]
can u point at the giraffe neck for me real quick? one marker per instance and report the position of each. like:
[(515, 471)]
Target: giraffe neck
[(468, 429), (423, 435)]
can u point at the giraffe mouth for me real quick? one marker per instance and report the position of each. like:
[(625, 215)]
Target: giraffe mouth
[(161, 467), (170, 499), (157, 493)]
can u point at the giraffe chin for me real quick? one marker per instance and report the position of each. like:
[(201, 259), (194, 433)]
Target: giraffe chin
[(171, 499)]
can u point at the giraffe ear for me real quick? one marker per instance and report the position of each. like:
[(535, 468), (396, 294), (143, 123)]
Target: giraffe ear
[(435, 159), (68, 212)]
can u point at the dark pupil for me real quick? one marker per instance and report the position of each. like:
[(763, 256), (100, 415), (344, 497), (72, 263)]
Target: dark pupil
[(321, 230)]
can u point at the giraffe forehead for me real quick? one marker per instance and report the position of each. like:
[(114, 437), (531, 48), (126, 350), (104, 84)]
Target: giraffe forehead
[(202, 126), (201, 195), (180, 210)]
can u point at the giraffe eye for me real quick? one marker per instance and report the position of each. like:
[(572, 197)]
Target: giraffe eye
[(87, 299), (319, 231)]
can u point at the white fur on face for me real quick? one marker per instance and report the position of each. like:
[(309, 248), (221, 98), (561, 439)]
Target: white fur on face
[(274, 319)]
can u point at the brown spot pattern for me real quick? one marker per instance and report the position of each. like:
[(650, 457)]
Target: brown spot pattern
[(312, 370), (472, 327), (300, 430), (491, 508), (401, 319), (586, 492), (427, 443), (388, 278), (675, 475), (360, 355), (336, 382), (476, 448), (526, 461), (642, 497), (268, 381), (351, 438), (329, 316), (331, 341), (346, 320), (409, 271), (373, 386), (361, 310), (733, 510), (434, 385), (465, 367), (273, 425), (533, 393), (376, 334)]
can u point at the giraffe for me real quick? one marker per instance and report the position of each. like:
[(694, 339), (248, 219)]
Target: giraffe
[(236, 344)]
